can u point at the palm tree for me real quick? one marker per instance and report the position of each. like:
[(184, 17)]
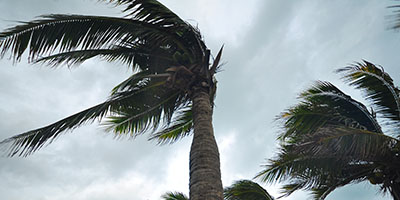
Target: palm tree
[(174, 196), (330, 140), (240, 190), (246, 190), (169, 94)]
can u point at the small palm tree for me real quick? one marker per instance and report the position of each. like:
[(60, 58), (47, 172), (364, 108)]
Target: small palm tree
[(174, 196), (169, 94), (330, 140), (246, 190), (240, 190)]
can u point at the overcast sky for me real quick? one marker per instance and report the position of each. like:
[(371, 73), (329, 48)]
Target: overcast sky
[(273, 50)]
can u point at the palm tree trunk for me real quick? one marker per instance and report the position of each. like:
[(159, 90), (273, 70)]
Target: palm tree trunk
[(205, 174)]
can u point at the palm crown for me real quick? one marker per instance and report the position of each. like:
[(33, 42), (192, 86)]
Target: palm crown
[(168, 57), (165, 53), (331, 140), (239, 190)]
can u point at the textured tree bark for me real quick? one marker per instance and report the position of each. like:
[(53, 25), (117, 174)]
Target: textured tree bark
[(205, 174)]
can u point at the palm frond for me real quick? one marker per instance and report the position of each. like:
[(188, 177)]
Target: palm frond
[(325, 104), (181, 127), (69, 32), (150, 11), (153, 12), (131, 82), (356, 174), (346, 143), (140, 107), (395, 24), (137, 58), (174, 196), (246, 189), (288, 164), (378, 87), (26, 143), (154, 103), (214, 66)]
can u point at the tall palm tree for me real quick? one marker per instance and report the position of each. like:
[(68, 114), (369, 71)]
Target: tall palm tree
[(240, 190), (169, 94), (330, 140)]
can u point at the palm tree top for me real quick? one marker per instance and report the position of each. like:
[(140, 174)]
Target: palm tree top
[(330, 140), (167, 55)]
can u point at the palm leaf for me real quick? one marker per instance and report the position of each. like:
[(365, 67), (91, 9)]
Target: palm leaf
[(396, 16), (153, 12), (288, 164), (174, 196), (139, 119), (26, 143), (181, 127), (69, 32), (246, 189), (325, 104), (141, 106), (137, 58), (214, 66), (353, 174), (378, 87), (346, 143)]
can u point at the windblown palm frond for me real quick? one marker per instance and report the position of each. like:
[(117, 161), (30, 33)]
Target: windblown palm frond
[(331, 140), (246, 190), (395, 24), (133, 111), (378, 87), (181, 126), (65, 33), (152, 11), (174, 196)]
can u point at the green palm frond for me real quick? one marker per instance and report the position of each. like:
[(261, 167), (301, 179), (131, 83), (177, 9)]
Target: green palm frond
[(325, 104), (149, 11), (180, 127), (64, 33), (346, 143), (320, 174), (378, 87), (131, 82), (133, 111), (350, 174), (153, 12), (135, 57), (155, 102), (146, 115), (246, 190), (288, 164), (174, 196), (29, 142)]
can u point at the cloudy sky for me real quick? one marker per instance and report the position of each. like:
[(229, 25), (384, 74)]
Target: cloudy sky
[(273, 50)]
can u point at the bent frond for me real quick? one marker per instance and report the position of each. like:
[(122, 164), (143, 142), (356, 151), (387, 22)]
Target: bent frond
[(246, 189), (378, 87), (174, 196), (181, 127)]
